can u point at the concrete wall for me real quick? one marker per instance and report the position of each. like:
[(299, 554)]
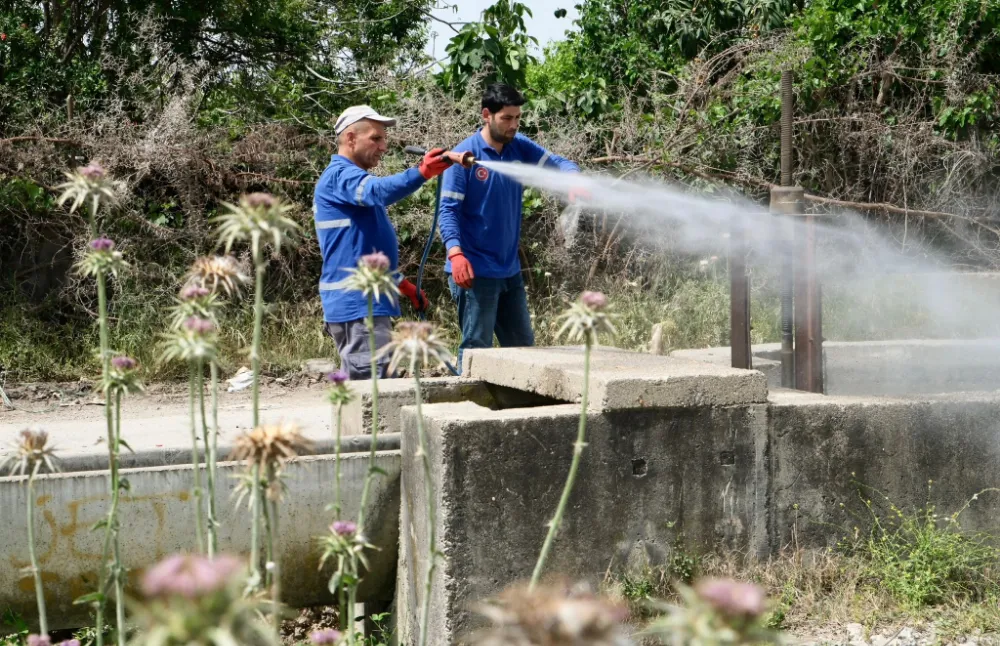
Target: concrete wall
[(157, 520), (648, 478), (754, 478), (821, 448)]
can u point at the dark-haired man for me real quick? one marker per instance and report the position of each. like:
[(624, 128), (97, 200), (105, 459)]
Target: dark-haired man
[(481, 226)]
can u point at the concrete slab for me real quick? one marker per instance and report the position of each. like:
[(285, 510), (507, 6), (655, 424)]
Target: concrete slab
[(899, 367), (619, 379), (158, 428), (165, 427)]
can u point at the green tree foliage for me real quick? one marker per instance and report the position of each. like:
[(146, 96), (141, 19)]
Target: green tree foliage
[(266, 54), (498, 46)]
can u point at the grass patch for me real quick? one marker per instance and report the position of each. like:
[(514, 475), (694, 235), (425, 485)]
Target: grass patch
[(918, 568)]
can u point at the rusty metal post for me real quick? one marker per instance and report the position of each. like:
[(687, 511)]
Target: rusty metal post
[(784, 233), (808, 311), (786, 204), (739, 297)]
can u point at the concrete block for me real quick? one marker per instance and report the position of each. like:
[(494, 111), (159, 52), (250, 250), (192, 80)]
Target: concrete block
[(831, 451), (396, 393), (650, 480), (157, 518), (619, 380)]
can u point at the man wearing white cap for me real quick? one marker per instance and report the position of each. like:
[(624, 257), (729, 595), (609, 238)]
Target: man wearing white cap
[(349, 207)]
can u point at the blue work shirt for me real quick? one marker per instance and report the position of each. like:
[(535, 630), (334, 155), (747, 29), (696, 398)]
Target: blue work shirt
[(349, 207), (481, 210)]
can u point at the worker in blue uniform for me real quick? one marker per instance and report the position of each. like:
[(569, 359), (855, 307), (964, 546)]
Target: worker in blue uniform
[(349, 206), (480, 224)]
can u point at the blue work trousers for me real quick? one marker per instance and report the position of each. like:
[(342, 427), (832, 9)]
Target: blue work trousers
[(492, 305)]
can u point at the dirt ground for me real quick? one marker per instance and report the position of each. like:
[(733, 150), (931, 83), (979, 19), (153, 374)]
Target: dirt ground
[(36, 403)]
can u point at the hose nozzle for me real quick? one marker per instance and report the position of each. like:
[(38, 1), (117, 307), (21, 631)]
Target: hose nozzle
[(468, 159)]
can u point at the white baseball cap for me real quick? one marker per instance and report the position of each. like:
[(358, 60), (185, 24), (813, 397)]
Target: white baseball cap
[(356, 113)]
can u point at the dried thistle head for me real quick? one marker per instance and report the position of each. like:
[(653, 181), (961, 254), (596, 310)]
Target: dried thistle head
[(340, 394), (270, 445), (416, 345), (586, 318), (89, 183), (122, 377), (372, 277), (259, 218), (32, 452), (101, 257), (194, 339), (553, 615), (217, 274)]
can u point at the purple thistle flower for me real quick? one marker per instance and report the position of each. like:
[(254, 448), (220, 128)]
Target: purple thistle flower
[(594, 300), (70, 642), (124, 363), (261, 200), (198, 325), (190, 576), (377, 261), (733, 598), (344, 528), (92, 171), (192, 292), (337, 378), (39, 640), (102, 244), (324, 637)]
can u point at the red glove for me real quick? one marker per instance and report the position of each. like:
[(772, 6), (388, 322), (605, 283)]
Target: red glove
[(409, 290), (461, 270), (578, 193), (434, 163)]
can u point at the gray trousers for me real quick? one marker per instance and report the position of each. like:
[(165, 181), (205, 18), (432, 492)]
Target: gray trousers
[(352, 345)]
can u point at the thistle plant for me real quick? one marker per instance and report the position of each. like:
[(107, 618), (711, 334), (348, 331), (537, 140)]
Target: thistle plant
[(715, 612), (324, 637), (373, 278), (418, 345), (259, 219), (347, 546), (99, 261), (32, 453), (122, 379), (90, 184), (193, 600), (265, 449), (206, 282), (583, 321), (195, 343), (555, 615), (340, 395)]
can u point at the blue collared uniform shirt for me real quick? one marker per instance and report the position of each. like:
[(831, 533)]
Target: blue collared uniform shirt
[(349, 207), (481, 210)]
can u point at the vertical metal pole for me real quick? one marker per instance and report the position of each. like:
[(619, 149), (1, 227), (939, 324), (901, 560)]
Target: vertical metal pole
[(786, 254), (739, 298), (808, 312), (786, 204)]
